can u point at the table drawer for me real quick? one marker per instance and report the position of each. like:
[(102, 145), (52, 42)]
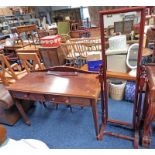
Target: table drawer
[(68, 100), (58, 99), (28, 96), (79, 101)]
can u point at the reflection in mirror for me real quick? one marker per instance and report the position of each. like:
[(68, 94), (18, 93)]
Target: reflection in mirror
[(131, 59)]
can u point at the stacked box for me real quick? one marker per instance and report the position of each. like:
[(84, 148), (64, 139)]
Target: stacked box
[(94, 61), (51, 41)]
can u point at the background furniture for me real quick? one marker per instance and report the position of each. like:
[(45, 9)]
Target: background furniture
[(73, 13), (8, 112), (78, 50), (150, 40), (29, 32), (31, 62), (64, 30), (94, 32), (29, 49), (52, 56), (124, 27)]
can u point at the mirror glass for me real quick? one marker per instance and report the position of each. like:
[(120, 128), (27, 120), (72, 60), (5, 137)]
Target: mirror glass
[(133, 56)]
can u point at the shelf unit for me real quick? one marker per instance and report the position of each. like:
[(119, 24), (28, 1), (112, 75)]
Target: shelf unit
[(6, 22)]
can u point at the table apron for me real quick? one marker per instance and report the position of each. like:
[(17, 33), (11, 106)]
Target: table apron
[(52, 98)]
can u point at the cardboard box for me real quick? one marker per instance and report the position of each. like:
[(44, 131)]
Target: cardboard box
[(94, 61), (117, 63)]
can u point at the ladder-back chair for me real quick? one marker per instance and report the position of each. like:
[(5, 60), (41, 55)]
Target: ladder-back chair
[(77, 52), (30, 61)]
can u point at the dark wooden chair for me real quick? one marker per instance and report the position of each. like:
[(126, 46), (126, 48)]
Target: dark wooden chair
[(149, 106), (150, 39)]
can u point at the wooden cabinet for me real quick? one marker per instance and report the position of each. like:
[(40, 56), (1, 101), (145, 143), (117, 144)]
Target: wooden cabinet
[(52, 56)]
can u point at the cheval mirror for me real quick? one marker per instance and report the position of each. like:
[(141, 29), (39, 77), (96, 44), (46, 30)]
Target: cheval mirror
[(130, 59)]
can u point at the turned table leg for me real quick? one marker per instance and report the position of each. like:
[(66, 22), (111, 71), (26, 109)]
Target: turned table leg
[(95, 116)]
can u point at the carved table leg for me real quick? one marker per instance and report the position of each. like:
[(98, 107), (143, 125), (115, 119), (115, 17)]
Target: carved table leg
[(136, 139), (149, 117), (95, 116), (22, 112)]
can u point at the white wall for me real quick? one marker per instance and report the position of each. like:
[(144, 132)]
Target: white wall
[(116, 18), (59, 7), (110, 20)]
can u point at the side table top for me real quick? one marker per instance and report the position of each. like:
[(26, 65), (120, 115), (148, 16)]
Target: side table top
[(83, 85)]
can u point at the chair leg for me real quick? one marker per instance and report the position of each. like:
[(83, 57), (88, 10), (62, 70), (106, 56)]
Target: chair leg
[(56, 106), (69, 106), (82, 107), (43, 103)]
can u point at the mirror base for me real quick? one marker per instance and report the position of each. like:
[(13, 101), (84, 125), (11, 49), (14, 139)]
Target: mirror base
[(133, 72)]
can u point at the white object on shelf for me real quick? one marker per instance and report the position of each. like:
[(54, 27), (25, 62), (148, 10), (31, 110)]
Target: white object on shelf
[(117, 51), (117, 90), (117, 63), (131, 59), (118, 42)]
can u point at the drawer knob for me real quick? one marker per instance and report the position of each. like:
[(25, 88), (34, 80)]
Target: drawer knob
[(26, 96), (53, 99), (66, 101)]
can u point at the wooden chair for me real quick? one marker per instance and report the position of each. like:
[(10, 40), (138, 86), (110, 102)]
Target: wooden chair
[(8, 74), (70, 57), (77, 52), (64, 30), (87, 40), (31, 62), (28, 33)]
